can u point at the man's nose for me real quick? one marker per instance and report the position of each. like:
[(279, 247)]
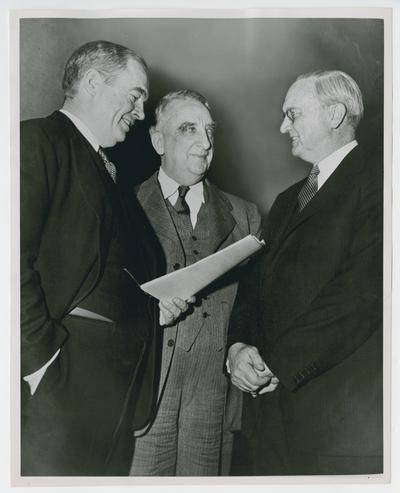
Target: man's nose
[(206, 140), (138, 110), (285, 125)]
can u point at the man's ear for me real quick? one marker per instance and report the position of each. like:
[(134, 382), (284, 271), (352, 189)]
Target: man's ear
[(337, 113), (157, 140), (91, 81)]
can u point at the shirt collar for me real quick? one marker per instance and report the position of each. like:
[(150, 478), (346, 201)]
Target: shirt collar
[(328, 165), (83, 129), (169, 187)]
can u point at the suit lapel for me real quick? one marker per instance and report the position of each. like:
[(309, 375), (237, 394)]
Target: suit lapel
[(219, 219), (275, 234), (335, 189), (88, 167), (89, 171), (152, 200)]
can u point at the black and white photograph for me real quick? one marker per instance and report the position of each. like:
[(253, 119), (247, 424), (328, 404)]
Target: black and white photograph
[(203, 245)]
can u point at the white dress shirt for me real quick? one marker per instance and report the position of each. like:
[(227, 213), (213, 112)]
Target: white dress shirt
[(328, 165), (194, 197), (83, 129), (34, 378)]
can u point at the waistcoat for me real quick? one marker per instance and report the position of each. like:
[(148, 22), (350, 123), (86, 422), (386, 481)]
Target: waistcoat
[(197, 244)]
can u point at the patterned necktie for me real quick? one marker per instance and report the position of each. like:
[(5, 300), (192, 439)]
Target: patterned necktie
[(181, 205), (309, 189), (110, 167)]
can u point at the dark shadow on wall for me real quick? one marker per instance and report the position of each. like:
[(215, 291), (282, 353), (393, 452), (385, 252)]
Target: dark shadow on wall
[(135, 157)]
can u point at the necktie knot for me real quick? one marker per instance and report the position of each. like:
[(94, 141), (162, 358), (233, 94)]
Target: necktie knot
[(181, 206), (309, 189), (182, 191), (110, 167)]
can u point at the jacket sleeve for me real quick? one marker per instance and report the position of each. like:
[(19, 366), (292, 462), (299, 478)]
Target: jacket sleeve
[(347, 309), (243, 323), (243, 320), (41, 336)]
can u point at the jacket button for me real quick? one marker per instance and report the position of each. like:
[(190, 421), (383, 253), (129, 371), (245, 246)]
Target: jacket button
[(171, 342), (194, 238), (177, 266), (196, 252), (205, 314)]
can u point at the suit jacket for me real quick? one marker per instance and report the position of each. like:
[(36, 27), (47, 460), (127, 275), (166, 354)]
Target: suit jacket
[(313, 308), (230, 219), (66, 221)]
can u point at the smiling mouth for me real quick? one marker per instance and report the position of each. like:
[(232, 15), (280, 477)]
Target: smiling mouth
[(128, 123)]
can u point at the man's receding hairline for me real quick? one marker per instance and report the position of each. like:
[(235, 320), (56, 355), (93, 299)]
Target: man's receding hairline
[(164, 116)]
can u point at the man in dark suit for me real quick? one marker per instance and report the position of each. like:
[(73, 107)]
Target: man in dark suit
[(306, 332), (191, 434), (88, 331)]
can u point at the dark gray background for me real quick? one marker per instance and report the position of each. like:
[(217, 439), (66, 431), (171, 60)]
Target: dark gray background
[(243, 67)]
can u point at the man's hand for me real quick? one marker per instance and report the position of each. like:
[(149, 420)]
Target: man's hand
[(269, 387), (171, 310), (247, 368)]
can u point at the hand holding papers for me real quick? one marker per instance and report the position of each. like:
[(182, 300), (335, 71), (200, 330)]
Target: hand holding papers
[(188, 281), (171, 310)]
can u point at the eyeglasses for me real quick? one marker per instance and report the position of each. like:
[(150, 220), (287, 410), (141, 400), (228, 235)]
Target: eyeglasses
[(291, 114)]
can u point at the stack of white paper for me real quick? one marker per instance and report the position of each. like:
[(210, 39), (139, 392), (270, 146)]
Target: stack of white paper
[(190, 280)]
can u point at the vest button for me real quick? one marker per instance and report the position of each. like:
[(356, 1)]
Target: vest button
[(177, 266), (205, 314), (196, 252), (194, 237), (171, 342)]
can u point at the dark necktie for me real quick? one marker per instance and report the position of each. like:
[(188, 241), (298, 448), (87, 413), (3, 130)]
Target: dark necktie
[(309, 189), (110, 167), (181, 205)]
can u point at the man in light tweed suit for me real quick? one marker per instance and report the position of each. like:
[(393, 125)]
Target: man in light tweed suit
[(191, 434)]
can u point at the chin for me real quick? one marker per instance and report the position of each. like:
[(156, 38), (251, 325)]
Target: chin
[(119, 138), (296, 152), (197, 170)]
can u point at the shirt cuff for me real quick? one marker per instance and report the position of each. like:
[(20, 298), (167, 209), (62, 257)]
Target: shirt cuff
[(34, 378)]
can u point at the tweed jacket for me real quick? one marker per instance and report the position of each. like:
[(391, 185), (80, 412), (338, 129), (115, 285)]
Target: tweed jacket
[(230, 219)]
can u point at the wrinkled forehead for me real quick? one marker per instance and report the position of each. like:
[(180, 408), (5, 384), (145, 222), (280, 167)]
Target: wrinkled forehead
[(181, 111), (301, 94)]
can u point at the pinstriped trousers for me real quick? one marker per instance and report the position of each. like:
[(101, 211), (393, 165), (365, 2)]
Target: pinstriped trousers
[(186, 436)]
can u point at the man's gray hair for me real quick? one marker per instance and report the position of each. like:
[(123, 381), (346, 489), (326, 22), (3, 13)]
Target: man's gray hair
[(335, 86), (107, 58), (184, 94)]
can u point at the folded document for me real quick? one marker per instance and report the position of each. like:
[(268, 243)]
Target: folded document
[(190, 280)]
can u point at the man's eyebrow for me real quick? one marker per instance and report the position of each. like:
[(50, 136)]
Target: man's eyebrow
[(291, 108), (186, 124), (211, 125), (140, 90)]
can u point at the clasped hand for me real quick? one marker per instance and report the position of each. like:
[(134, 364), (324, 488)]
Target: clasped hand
[(248, 370)]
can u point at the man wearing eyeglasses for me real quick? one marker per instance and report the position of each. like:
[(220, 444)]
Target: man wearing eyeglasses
[(306, 330)]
